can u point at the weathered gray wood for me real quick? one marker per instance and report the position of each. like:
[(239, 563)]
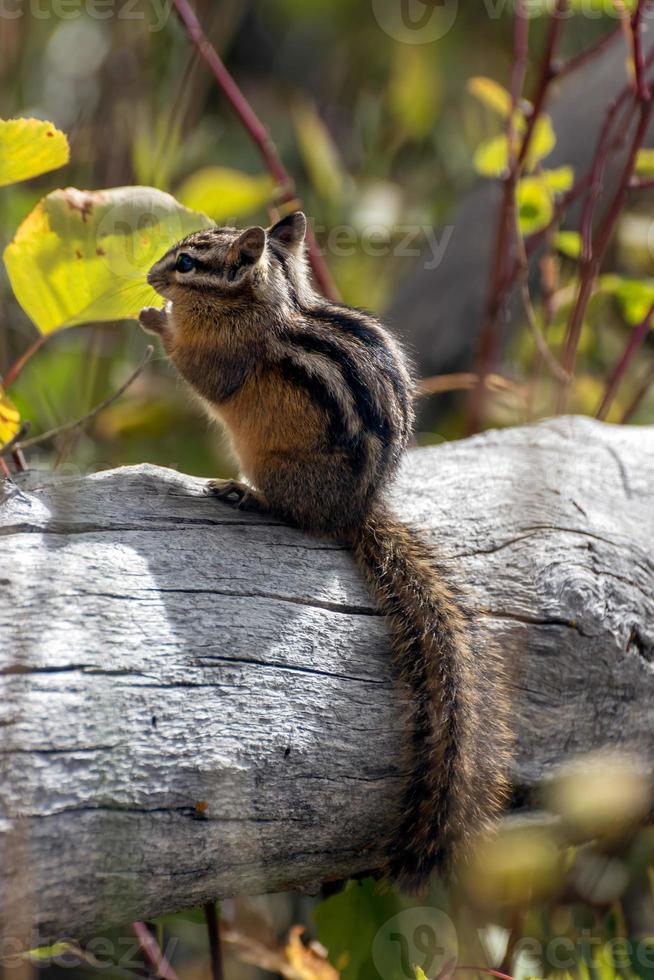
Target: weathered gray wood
[(197, 702)]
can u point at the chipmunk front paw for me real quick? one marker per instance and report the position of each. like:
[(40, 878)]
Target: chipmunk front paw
[(153, 320), (238, 494)]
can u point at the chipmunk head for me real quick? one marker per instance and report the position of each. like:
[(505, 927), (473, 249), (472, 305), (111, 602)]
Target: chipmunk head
[(245, 265)]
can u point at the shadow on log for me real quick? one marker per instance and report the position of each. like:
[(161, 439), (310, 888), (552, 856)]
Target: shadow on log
[(197, 702)]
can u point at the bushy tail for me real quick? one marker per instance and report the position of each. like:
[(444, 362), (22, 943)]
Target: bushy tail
[(459, 742)]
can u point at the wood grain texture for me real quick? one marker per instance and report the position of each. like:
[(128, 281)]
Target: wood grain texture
[(197, 702)]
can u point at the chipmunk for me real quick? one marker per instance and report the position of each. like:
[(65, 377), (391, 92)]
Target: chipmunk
[(317, 401)]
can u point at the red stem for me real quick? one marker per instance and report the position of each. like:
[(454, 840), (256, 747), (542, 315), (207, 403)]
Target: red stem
[(597, 49), (257, 132), (19, 364), (642, 88), (593, 251), (489, 337), (504, 269), (152, 953), (636, 338)]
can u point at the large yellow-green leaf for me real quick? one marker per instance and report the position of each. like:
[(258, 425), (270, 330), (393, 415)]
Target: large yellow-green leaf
[(9, 418), (223, 193), (82, 256), (29, 147)]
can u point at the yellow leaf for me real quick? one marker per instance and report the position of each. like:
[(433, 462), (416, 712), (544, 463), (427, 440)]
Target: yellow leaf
[(82, 256), (29, 147), (491, 157), (306, 963), (543, 141), (490, 94), (225, 194), (645, 163), (9, 418), (569, 243), (559, 180), (319, 153), (535, 205)]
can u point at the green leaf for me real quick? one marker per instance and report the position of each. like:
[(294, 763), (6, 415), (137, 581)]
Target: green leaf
[(9, 418), (224, 194), (49, 952), (542, 143), (491, 94), (559, 180), (319, 153), (348, 923), (645, 163), (29, 147), (82, 256), (491, 158), (569, 243), (635, 296), (535, 205)]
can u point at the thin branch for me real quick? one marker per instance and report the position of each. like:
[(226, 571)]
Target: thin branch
[(215, 951), (497, 299), (594, 247), (257, 132), (594, 51), (636, 338), (100, 407), (440, 384), (642, 88), (18, 365), (152, 953)]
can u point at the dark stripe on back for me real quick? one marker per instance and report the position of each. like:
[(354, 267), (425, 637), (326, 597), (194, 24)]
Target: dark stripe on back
[(324, 397), (353, 322), (369, 412)]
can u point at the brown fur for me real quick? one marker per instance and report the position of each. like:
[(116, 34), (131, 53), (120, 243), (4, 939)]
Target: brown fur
[(317, 402)]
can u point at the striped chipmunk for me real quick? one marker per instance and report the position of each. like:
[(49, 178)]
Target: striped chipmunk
[(317, 401)]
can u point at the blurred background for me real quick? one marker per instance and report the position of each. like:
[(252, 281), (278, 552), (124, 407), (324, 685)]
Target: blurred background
[(379, 131), (379, 134)]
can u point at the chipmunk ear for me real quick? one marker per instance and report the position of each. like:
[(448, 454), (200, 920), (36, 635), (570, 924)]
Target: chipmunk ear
[(248, 247), (290, 231)]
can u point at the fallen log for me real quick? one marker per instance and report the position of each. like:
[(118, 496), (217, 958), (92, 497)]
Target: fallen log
[(197, 703)]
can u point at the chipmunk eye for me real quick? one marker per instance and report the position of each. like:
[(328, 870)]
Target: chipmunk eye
[(185, 262)]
